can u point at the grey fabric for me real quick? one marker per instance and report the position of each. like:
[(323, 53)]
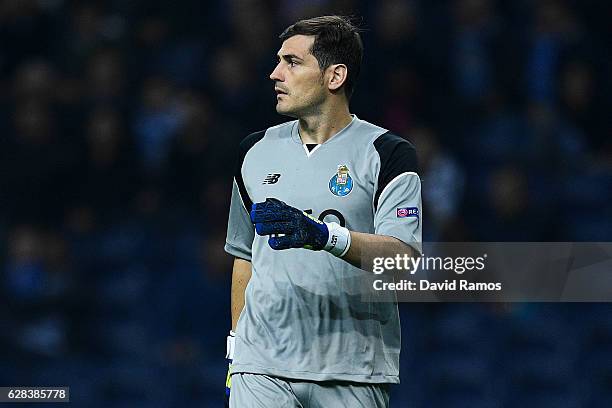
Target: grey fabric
[(262, 391), (305, 316), (240, 232)]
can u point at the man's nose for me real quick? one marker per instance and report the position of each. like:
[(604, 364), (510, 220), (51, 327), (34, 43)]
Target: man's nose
[(276, 74)]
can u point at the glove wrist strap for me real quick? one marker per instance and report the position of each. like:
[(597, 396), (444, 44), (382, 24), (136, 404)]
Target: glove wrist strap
[(230, 345), (339, 240)]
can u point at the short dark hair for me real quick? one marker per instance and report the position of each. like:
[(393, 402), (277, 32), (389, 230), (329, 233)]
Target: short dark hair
[(337, 41)]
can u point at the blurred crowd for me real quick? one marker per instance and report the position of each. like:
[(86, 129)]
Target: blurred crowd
[(119, 122)]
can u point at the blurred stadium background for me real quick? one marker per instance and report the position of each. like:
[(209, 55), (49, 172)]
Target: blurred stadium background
[(118, 126)]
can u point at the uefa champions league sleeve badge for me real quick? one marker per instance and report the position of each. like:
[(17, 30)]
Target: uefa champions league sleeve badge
[(341, 184)]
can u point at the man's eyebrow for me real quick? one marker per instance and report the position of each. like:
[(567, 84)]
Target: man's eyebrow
[(288, 57)]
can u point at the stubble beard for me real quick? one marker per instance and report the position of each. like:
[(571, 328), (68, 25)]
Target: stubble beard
[(308, 108)]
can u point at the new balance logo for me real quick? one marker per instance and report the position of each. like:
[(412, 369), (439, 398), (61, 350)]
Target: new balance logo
[(271, 178), (334, 241)]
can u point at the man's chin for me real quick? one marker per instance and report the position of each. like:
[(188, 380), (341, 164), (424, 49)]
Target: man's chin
[(284, 111)]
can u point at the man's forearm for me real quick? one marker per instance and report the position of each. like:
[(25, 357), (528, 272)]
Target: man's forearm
[(241, 274), (361, 240)]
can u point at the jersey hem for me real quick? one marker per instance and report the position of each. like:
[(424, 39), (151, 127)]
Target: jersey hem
[(310, 376)]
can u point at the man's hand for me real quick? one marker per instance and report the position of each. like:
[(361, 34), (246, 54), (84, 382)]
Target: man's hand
[(297, 229), (289, 227)]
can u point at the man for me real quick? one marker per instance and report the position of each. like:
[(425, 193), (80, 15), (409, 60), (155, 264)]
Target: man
[(308, 196)]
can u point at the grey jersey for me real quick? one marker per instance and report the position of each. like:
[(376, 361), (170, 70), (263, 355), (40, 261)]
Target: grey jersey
[(305, 316)]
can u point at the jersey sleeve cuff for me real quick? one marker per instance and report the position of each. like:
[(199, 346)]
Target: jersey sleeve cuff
[(237, 251)]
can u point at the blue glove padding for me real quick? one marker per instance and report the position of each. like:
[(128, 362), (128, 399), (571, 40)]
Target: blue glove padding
[(229, 355), (300, 229), (228, 384)]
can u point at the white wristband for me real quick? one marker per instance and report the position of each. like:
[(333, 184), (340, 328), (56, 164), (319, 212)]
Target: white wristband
[(231, 343), (339, 240)]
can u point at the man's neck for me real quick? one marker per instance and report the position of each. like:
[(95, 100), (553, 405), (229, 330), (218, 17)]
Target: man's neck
[(321, 127)]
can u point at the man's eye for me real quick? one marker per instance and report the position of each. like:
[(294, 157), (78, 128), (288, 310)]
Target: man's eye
[(292, 63)]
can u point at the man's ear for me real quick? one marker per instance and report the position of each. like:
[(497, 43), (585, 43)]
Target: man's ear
[(338, 76)]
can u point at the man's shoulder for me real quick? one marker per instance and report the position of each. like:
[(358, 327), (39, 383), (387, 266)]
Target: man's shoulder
[(368, 132), (390, 140), (277, 131), (364, 124), (381, 137)]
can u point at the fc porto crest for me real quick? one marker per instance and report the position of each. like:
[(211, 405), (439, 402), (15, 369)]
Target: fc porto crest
[(342, 183)]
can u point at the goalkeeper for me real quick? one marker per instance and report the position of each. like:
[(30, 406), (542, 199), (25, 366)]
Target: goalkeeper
[(308, 197)]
